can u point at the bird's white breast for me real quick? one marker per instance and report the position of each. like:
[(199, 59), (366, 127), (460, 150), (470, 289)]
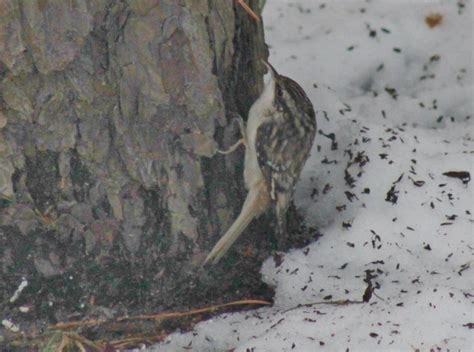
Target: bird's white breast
[(259, 113)]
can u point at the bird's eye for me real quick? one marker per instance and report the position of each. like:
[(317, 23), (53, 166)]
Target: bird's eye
[(279, 91)]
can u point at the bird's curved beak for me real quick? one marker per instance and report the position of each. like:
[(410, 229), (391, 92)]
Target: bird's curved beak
[(270, 69)]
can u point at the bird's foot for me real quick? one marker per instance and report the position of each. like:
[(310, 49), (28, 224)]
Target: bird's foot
[(232, 148), (241, 141)]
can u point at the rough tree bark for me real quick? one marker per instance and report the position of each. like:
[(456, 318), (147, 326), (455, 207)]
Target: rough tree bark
[(110, 190), (110, 113)]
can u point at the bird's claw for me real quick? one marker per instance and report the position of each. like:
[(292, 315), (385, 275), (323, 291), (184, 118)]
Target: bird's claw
[(243, 132), (232, 148)]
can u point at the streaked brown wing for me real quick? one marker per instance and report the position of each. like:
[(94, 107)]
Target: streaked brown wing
[(282, 152)]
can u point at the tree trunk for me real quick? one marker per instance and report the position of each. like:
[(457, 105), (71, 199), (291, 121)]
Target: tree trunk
[(110, 190)]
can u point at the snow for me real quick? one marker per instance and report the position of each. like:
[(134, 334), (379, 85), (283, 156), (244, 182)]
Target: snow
[(398, 97)]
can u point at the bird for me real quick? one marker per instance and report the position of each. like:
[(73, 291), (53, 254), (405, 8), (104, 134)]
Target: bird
[(278, 137)]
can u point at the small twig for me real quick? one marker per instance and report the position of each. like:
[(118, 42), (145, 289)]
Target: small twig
[(376, 295), (63, 344), (133, 340), (80, 346), (248, 10), (76, 324), (80, 340), (194, 311), (342, 302), (88, 323)]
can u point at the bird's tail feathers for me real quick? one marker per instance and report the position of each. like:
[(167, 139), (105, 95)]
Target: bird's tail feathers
[(281, 207), (255, 204)]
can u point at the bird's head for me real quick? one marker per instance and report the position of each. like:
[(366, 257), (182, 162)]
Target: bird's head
[(285, 94)]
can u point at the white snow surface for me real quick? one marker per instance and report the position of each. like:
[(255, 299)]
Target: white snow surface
[(398, 97)]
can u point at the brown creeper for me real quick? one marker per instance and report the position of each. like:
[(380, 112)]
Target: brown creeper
[(280, 130)]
